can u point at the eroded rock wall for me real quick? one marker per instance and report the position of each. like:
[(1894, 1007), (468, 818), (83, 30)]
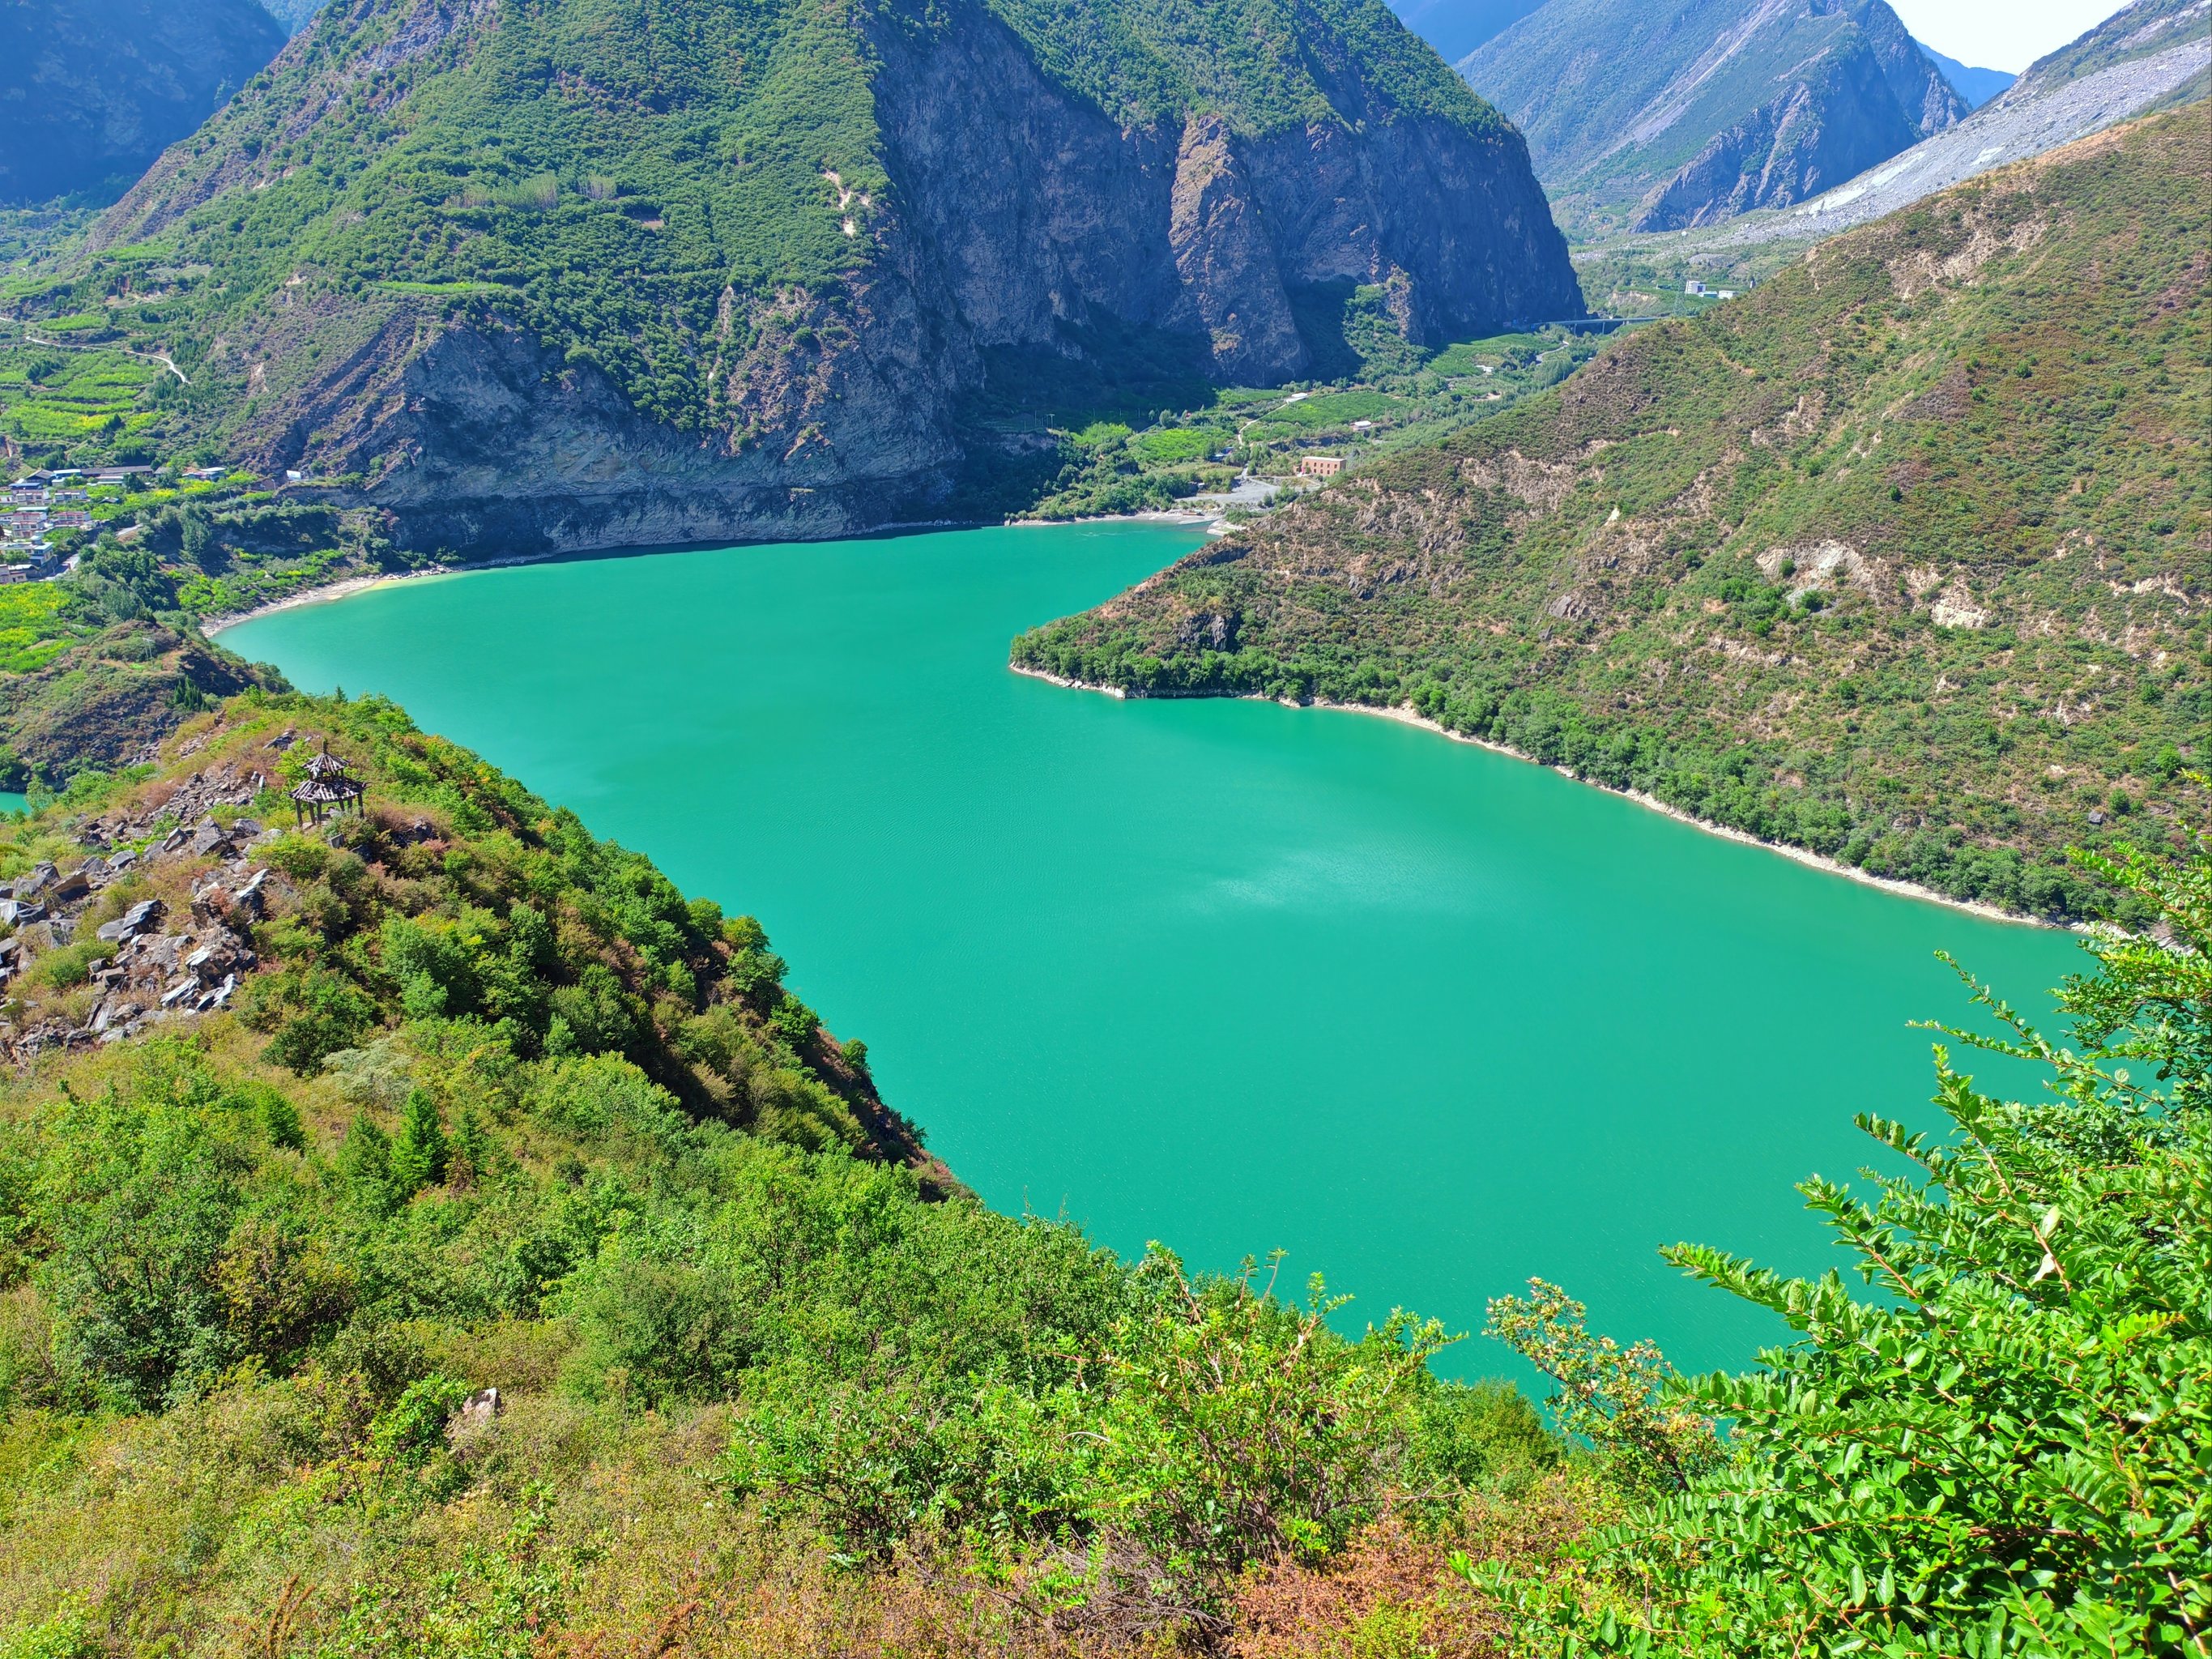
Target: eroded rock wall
[(1020, 215)]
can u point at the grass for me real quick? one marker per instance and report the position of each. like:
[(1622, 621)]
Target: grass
[(34, 626)]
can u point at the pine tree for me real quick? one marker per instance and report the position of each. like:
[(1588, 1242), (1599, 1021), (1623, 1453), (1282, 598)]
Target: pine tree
[(366, 1158), (420, 1155), (472, 1149)]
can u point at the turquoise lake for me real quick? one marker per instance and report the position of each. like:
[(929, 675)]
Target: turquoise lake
[(1227, 974)]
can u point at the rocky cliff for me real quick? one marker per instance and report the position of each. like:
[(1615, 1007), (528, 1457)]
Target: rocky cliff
[(2153, 55), (702, 304), (91, 91), (1691, 111)]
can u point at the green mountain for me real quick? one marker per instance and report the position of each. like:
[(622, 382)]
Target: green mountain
[(1693, 111), (91, 91), (1901, 557), (576, 273)]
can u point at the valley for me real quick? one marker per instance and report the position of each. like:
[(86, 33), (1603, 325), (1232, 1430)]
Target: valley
[(606, 1052)]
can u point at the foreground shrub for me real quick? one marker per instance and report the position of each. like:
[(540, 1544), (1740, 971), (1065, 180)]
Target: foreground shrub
[(2006, 1448)]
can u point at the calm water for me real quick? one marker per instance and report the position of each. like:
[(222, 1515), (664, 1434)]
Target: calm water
[(1224, 973)]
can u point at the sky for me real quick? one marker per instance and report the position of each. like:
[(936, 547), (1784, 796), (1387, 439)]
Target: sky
[(2001, 34)]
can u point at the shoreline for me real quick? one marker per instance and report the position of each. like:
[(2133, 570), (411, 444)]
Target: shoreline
[(1405, 716), (347, 587)]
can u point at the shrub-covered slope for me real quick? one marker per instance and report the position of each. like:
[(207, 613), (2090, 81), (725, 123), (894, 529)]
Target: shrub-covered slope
[(454, 894), (1904, 557), (457, 1097), (575, 272), (91, 91), (512, 1267), (1683, 114)]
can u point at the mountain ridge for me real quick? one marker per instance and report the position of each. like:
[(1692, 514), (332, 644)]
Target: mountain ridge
[(761, 310), (1651, 121), (2149, 56), (1976, 86)]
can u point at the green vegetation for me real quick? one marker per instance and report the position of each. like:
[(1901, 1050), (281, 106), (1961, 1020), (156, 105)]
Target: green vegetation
[(62, 399), (1131, 456), (502, 1109), (602, 175), (32, 630), (1999, 1448), (1896, 558)]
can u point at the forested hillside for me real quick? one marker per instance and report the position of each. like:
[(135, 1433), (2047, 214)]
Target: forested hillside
[(428, 1233), (577, 274), (1903, 558)]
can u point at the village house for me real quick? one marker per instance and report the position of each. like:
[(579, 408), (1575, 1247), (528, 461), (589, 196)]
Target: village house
[(1320, 466)]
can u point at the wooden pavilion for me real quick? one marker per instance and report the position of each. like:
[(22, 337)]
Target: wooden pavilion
[(330, 786)]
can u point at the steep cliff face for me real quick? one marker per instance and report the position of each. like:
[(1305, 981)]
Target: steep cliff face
[(2152, 56), (91, 91), (669, 301), (1690, 111), (1840, 117)]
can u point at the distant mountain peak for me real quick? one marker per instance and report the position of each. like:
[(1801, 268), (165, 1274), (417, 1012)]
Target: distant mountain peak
[(1976, 86), (1683, 111)]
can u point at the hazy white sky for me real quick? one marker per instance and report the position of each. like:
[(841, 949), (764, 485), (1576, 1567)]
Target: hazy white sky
[(2002, 34)]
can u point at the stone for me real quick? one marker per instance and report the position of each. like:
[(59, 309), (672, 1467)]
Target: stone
[(478, 1410), (132, 922)]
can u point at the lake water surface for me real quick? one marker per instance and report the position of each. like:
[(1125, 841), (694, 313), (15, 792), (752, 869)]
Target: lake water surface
[(1224, 973)]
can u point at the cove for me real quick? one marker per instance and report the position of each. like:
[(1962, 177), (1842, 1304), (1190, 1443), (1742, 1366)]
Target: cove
[(1227, 974)]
